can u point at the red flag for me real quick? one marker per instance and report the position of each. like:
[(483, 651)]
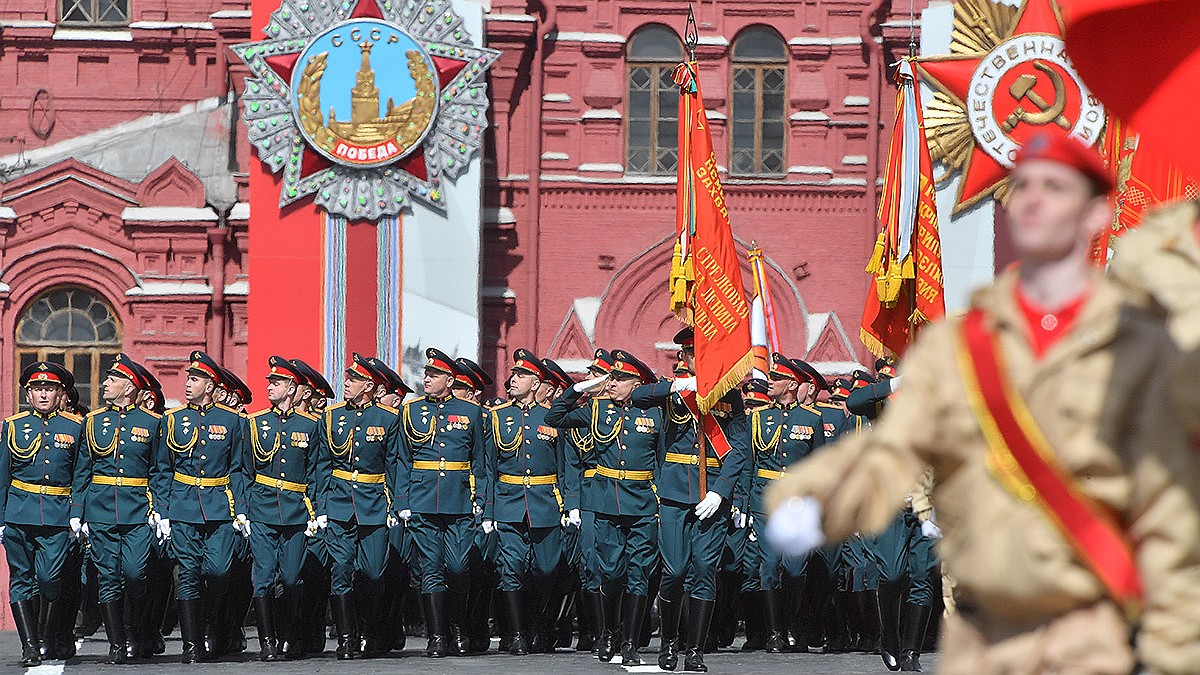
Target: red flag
[(907, 261), (715, 300)]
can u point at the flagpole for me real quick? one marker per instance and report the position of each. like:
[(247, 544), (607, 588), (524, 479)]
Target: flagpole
[(691, 38)]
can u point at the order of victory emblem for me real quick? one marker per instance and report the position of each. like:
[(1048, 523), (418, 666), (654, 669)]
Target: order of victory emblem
[(1008, 74), (365, 105)]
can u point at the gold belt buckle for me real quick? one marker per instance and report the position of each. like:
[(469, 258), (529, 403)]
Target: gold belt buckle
[(621, 475), (279, 484), (526, 480), (696, 459), (354, 476), (442, 464), (119, 481), (42, 489)]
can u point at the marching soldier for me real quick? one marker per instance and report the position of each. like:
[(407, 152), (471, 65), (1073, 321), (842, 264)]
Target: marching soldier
[(307, 632), (559, 604), (1063, 507), (627, 440), (692, 525), (392, 394), (579, 500), (114, 492), (470, 381), (364, 446), (528, 461), (444, 446), (42, 459), (289, 467), (160, 570), (226, 632), (206, 506), (781, 434)]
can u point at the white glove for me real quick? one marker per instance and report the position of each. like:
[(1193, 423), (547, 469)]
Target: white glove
[(322, 521), (164, 529), (76, 526), (87, 533), (392, 521), (153, 519), (589, 385), (241, 524), (931, 530), (894, 383), (489, 525), (708, 505), (311, 529), (740, 519), (683, 384), (795, 527), (1, 534), (476, 509), (574, 518), (405, 515)]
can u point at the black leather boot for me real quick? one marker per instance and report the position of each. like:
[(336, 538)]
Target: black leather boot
[(890, 593), (113, 614), (268, 638), (699, 615), (868, 608), (457, 604), (587, 622), (191, 631), (291, 644), (633, 610), (668, 650), (610, 637), (776, 632), (58, 628), (912, 634), (754, 609), (512, 604), (435, 624), (25, 616), (597, 606), (343, 621)]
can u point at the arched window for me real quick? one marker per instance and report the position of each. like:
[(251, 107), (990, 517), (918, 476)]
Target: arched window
[(652, 106), (759, 103), (74, 328)]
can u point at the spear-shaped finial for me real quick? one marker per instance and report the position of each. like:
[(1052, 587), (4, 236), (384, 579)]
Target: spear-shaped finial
[(691, 34)]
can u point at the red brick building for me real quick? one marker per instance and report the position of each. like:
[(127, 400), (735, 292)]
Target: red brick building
[(123, 223)]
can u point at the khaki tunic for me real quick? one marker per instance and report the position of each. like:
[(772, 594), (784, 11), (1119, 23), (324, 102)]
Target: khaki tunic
[(1027, 603), (1159, 263)]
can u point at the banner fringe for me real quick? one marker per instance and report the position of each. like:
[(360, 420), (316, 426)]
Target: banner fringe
[(730, 380)]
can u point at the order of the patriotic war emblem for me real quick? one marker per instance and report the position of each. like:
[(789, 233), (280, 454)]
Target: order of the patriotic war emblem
[(366, 105)]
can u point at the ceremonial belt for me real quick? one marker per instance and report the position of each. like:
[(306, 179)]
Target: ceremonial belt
[(769, 474), (280, 484), (712, 429), (549, 479), (441, 465), (37, 489), (684, 458), (120, 481), (622, 474), (356, 477), (1023, 461), (201, 482), (589, 473)]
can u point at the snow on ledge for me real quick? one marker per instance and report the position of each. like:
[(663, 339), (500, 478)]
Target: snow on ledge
[(169, 214)]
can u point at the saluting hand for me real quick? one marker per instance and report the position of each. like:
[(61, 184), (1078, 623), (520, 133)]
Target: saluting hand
[(590, 385), (683, 384)]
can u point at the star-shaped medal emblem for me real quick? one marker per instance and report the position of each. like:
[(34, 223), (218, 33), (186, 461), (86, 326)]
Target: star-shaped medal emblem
[(370, 163)]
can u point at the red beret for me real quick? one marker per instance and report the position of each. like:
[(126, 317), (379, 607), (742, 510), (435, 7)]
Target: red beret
[(1054, 145)]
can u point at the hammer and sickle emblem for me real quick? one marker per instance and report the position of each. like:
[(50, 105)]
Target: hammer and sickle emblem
[(1047, 112)]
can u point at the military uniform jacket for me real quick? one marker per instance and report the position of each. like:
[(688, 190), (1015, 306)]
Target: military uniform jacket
[(529, 450), (626, 439), (444, 461), (780, 436), (580, 460), (679, 482), (119, 445), (204, 444), (834, 421), (1102, 398), (289, 466), (363, 448), (39, 451)]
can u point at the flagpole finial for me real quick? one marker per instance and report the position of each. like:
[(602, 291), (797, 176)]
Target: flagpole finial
[(691, 34)]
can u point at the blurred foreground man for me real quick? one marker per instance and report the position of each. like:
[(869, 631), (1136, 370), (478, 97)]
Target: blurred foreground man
[(1065, 484)]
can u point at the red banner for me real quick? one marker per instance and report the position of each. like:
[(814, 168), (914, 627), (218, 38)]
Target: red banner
[(716, 300), (907, 261), (1025, 464)]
